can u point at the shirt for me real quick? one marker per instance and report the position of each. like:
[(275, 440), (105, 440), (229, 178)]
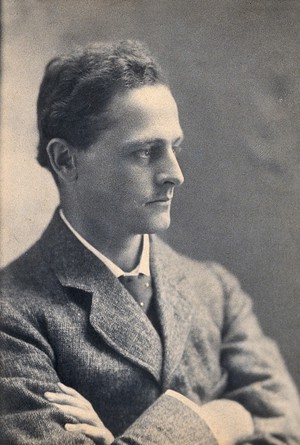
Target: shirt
[(144, 263)]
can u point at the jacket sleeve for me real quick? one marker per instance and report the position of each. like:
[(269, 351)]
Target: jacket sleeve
[(27, 418), (168, 422), (27, 371), (258, 378)]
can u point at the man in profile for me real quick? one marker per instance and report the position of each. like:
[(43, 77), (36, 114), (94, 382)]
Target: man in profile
[(108, 335)]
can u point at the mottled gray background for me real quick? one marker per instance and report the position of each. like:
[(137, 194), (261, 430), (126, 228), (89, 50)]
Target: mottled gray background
[(235, 71)]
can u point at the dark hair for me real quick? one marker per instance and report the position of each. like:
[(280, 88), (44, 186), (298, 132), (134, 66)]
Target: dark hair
[(78, 87)]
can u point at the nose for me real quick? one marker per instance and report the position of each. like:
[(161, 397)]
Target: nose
[(169, 170)]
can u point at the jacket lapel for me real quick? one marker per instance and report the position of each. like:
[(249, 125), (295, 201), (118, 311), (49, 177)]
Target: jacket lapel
[(175, 311), (114, 313), (125, 327)]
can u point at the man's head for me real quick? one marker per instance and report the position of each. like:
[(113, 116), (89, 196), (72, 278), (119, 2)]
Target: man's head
[(110, 133), (78, 87)]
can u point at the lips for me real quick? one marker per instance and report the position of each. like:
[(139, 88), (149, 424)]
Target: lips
[(162, 199)]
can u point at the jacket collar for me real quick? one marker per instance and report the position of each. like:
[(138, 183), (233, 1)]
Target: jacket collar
[(114, 313)]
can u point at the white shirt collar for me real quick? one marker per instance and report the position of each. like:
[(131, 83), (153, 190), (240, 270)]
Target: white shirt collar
[(143, 266)]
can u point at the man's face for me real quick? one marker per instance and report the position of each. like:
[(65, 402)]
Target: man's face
[(127, 178)]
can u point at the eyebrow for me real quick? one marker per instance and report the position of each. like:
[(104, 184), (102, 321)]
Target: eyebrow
[(140, 142)]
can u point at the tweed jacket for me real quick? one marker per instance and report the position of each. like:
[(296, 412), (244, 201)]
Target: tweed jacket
[(65, 317)]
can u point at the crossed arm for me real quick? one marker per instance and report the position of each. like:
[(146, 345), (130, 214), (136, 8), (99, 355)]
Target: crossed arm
[(86, 420)]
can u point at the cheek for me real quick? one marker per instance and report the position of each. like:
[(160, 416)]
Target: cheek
[(134, 183), (121, 185)]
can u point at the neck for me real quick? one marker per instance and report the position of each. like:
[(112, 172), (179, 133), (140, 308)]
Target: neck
[(123, 249)]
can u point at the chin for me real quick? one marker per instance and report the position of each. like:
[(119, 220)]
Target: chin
[(158, 224)]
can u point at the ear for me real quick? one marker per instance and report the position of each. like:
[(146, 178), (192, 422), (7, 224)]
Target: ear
[(62, 157)]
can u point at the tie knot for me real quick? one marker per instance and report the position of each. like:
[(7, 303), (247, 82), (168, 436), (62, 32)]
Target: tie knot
[(139, 286)]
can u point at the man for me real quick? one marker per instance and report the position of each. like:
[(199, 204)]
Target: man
[(108, 335)]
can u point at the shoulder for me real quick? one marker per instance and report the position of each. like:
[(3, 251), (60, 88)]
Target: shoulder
[(23, 270), (27, 278), (200, 271), (33, 269), (207, 286)]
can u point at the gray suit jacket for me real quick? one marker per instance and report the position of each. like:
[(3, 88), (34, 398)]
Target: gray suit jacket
[(66, 318)]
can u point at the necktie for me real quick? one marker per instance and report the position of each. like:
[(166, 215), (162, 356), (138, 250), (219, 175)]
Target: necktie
[(139, 286)]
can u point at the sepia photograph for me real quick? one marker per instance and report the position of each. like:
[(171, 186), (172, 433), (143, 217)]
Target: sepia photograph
[(150, 222)]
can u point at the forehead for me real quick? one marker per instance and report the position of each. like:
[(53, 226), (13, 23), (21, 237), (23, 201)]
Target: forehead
[(146, 111)]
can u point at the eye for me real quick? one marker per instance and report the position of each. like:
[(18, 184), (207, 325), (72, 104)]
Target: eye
[(144, 153)]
